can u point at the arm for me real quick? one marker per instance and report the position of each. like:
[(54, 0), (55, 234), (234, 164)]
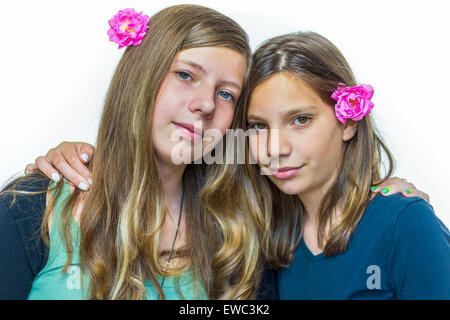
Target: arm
[(68, 159), (420, 256), (22, 251), (15, 275)]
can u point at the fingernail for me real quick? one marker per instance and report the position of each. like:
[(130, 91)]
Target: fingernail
[(374, 188), (386, 190), (408, 191), (90, 180), (85, 157), (55, 177), (83, 186)]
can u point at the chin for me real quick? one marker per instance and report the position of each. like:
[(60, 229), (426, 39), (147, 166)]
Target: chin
[(288, 187)]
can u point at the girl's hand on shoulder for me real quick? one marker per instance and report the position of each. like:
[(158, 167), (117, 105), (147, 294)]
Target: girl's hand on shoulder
[(395, 185), (67, 159)]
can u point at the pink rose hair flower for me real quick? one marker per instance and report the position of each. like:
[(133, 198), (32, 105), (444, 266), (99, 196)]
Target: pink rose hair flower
[(352, 102), (128, 27)]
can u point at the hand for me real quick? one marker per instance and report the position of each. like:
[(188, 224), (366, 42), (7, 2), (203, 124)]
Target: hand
[(68, 159), (395, 185)]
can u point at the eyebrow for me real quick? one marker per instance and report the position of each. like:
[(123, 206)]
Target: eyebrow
[(288, 113), (199, 67), (193, 64), (232, 84)]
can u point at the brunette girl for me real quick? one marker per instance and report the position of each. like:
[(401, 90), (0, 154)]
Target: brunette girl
[(340, 240)]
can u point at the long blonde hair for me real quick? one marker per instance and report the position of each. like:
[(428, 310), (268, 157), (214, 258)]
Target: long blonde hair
[(124, 211)]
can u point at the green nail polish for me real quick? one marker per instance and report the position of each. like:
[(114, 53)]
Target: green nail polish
[(386, 190), (408, 191), (374, 188)]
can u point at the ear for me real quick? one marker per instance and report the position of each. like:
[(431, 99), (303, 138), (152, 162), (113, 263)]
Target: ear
[(350, 128)]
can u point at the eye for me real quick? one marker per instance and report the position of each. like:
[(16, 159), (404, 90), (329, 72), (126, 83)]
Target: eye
[(184, 75), (301, 120), (257, 126), (226, 95)]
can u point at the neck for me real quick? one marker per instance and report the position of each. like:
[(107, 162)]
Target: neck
[(312, 207), (312, 201), (171, 177)]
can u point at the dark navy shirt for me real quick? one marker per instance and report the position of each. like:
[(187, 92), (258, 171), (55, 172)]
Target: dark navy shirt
[(399, 250)]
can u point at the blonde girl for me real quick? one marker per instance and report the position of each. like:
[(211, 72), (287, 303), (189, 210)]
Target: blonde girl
[(142, 231)]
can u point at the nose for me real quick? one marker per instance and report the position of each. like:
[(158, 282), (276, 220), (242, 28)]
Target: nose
[(204, 101), (278, 144)]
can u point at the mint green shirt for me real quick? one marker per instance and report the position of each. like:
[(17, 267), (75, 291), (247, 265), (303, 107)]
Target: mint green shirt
[(52, 284)]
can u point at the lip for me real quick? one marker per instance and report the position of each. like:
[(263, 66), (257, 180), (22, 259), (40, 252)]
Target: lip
[(286, 172), (189, 131)]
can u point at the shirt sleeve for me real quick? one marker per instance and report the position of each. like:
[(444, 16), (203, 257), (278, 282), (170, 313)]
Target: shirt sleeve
[(23, 253), (420, 257)]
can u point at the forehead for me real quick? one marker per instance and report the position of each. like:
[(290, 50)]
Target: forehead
[(282, 91), (213, 57)]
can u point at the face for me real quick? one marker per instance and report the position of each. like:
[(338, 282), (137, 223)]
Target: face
[(311, 139), (197, 96)]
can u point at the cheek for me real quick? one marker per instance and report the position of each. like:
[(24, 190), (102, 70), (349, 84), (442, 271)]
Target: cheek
[(325, 149), (317, 149), (169, 102), (159, 122), (164, 112), (252, 146), (222, 119), (259, 152)]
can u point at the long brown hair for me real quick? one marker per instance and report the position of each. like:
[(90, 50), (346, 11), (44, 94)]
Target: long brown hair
[(124, 210), (315, 60)]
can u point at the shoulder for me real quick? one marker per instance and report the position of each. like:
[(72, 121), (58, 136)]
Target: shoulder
[(396, 208), (411, 224), (409, 213), (396, 218), (29, 202), (24, 210), (417, 219)]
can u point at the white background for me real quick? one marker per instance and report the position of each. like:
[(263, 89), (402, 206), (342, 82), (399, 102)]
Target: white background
[(56, 63)]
